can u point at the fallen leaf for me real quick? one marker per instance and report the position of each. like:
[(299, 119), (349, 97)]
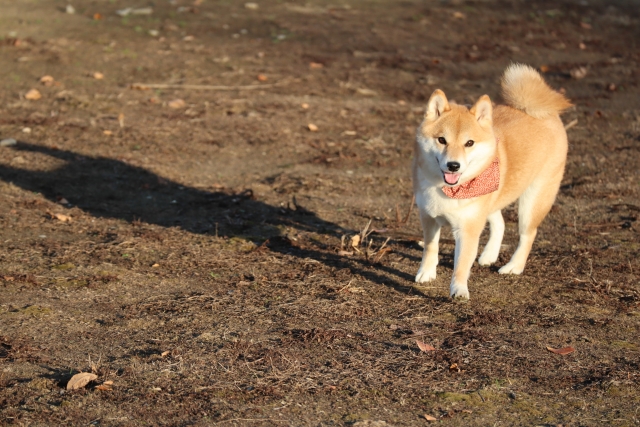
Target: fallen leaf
[(424, 346), (454, 368), (429, 417), (315, 65), (366, 92), (121, 120), (80, 380), (62, 217), (164, 353), (98, 75), (177, 103), (562, 351), (544, 68), (107, 132), (46, 80), (97, 16), (156, 265), (459, 15), (312, 127), (33, 95), (103, 387), (107, 383), (262, 78)]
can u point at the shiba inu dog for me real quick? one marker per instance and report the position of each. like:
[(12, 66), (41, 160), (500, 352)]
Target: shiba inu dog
[(471, 163)]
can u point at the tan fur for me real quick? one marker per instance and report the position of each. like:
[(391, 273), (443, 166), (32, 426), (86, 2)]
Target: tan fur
[(532, 151)]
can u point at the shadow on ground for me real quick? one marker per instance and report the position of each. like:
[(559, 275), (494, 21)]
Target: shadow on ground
[(108, 188)]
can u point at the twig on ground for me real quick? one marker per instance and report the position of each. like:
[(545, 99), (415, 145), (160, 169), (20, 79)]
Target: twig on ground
[(147, 86)]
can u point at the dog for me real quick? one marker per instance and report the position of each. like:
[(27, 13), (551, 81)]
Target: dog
[(469, 163)]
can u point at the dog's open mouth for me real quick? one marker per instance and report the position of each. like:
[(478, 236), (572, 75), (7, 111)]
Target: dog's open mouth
[(451, 178)]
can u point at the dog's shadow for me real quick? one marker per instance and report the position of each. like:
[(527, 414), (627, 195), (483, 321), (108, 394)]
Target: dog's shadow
[(109, 188)]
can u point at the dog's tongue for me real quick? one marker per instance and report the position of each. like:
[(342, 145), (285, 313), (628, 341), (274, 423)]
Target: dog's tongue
[(451, 178)]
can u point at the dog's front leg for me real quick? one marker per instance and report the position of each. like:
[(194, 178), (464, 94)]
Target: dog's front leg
[(431, 230), (467, 237)]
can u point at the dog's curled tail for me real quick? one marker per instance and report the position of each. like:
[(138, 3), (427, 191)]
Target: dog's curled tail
[(523, 88)]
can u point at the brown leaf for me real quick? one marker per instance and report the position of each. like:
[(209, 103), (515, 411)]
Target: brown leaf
[(80, 380), (454, 368), (103, 387), (429, 417), (62, 217), (165, 353), (424, 346), (47, 80), (176, 103), (562, 351), (33, 95), (262, 78)]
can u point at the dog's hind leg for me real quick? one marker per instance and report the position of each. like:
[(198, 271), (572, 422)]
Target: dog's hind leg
[(533, 206), (431, 230), (492, 249)]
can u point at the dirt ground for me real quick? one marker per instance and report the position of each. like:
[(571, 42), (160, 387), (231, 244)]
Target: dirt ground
[(190, 244)]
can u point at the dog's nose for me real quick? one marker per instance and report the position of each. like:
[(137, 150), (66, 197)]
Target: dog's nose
[(453, 166)]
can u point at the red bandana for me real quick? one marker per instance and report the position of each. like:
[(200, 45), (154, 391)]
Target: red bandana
[(485, 183)]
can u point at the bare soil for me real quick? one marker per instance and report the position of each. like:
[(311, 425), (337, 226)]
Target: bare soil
[(203, 274)]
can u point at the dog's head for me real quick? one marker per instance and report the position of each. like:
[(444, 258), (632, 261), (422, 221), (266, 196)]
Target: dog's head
[(460, 139)]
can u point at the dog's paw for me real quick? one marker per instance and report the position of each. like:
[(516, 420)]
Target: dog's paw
[(458, 291), (511, 268), (488, 257), (425, 275)]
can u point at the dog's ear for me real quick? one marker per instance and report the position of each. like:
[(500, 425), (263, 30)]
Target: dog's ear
[(437, 105), (483, 110)]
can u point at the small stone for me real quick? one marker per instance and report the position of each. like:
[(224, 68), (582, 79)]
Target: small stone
[(98, 75), (312, 127), (8, 142), (26, 130), (579, 73), (154, 33), (70, 9)]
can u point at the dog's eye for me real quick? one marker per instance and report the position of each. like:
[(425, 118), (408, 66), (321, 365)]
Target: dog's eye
[(469, 143), (442, 141)]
